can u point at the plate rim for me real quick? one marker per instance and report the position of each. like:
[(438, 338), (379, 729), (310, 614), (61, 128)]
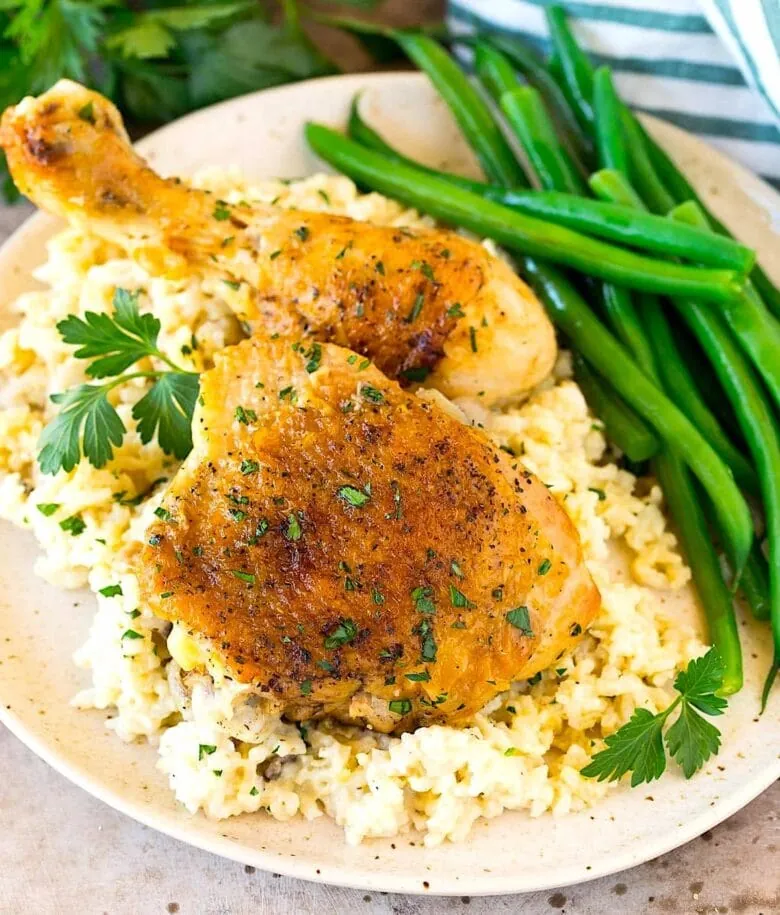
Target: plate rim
[(350, 876)]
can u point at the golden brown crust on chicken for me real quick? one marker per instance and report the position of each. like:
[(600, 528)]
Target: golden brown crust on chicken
[(424, 304), (345, 544)]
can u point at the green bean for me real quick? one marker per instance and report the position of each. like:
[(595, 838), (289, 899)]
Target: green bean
[(575, 68), (622, 426), (755, 328), (683, 190), (526, 114), (681, 387), (518, 232), (758, 425), (613, 187), (702, 558), (494, 70), (610, 139), (641, 171), (367, 136), (469, 109), (612, 361), (605, 220), (622, 315), (755, 584), (526, 61)]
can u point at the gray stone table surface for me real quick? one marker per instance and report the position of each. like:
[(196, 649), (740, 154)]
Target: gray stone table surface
[(62, 851)]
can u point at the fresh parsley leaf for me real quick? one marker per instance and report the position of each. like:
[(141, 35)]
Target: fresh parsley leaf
[(87, 423), (166, 410), (120, 340), (692, 739), (638, 747), (699, 682), (152, 33)]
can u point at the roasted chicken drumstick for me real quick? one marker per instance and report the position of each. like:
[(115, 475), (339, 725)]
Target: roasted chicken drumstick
[(426, 305), (354, 550)]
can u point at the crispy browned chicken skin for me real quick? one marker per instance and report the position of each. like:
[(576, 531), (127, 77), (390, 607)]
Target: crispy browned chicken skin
[(352, 549), (425, 304)]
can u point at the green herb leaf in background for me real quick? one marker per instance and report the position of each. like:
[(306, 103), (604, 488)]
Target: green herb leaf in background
[(158, 60)]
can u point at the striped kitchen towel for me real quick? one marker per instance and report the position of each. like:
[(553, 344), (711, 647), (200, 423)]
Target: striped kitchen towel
[(709, 66)]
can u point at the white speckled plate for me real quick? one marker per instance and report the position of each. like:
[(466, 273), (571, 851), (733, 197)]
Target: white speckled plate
[(41, 626)]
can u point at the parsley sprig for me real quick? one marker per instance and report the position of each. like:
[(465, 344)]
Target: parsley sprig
[(639, 747), (88, 425)]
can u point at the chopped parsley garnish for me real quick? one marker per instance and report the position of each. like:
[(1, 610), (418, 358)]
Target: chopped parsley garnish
[(232, 284), (314, 357), (155, 540), (162, 513), (575, 629), (248, 577), (262, 527), (459, 599), (544, 566), (302, 232), (380, 268), (221, 211), (74, 525), (47, 509), (253, 791), (396, 513), (456, 569), (293, 530), (428, 647), (456, 311), (131, 634), (416, 308), (400, 706), (498, 593), (245, 416), (520, 619), (377, 596), (111, 591), (344, 633), (288, 393), (599, 492), (353, 496), (421, 677), (423, 600), (324, 195), (458, 624), (427, 271), (371, 393), (274, 254), (248, 467), (306, 688), (326, 665), (206, 749), (87, 113), (364, 365), (473, 339), (638, 747)]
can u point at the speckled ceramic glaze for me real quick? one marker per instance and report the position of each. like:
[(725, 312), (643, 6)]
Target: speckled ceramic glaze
[(40, 626)]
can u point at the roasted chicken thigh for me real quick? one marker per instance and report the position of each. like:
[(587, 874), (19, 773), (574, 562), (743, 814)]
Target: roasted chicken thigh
[(426, 305), (354, 550)]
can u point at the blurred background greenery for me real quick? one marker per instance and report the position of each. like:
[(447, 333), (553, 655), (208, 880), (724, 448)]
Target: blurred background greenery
[(159, 59)]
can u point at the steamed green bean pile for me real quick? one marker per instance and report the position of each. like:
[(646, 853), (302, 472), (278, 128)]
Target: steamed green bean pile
[(646, 287)]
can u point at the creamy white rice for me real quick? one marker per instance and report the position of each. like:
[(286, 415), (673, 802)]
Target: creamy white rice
[(220, 753)]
